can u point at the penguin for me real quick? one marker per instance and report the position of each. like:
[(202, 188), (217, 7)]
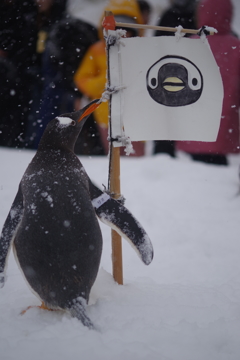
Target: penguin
[(174, 81), (53, 225)]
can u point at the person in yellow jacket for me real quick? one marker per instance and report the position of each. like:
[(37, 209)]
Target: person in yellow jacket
[(90, 77)]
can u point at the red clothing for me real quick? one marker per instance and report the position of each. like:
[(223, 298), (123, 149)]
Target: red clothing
[(226, 50)]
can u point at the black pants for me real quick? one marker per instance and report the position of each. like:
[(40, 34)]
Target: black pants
[(210, 159), (164, 146)]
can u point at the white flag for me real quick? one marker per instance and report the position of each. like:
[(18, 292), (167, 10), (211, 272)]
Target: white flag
[(170, 89)]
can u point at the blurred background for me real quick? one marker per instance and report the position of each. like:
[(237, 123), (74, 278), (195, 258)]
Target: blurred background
[(90, 9)]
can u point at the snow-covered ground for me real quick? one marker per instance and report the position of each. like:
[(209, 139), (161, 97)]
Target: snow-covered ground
[(183, 306)]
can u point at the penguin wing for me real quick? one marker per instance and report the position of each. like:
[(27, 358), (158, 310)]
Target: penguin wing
[(9, 229), (119, 218)]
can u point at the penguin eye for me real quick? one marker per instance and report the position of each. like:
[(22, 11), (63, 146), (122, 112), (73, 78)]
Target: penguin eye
[(194, 81), (153, 81), (73, 123)]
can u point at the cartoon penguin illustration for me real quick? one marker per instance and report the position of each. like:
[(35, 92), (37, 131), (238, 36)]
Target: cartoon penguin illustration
[(52, 224), (174, 81)]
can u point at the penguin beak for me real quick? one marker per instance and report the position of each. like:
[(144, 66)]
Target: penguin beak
[(89, 109), (173, 84)]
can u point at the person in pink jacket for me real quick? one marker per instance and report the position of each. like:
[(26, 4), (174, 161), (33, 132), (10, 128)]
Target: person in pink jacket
[(226, 50)]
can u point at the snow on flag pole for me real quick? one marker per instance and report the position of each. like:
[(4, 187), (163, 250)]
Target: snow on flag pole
[(159, 88)]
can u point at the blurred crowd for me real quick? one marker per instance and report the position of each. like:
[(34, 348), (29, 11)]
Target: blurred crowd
[(41, 46), (53, 63)]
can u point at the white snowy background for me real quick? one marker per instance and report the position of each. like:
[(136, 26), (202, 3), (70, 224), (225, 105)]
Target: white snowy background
[(183, 306)]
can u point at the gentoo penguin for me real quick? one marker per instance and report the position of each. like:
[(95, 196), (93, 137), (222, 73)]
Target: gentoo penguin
[(52, 224), (174, 81)]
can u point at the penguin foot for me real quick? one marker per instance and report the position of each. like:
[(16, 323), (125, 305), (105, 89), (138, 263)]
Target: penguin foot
[(78, 311), (1, 280), (42, 306)]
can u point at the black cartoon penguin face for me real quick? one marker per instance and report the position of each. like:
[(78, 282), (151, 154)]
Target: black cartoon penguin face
[(174, 81)]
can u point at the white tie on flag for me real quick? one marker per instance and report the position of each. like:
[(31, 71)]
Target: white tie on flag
[(171, 89)]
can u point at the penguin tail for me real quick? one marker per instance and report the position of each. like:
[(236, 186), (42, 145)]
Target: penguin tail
[(78, 311)]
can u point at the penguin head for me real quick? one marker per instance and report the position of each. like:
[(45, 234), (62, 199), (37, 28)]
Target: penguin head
[(174, 81), (63, 131)]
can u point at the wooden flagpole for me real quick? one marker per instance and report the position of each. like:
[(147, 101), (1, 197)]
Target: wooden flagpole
[(161, 28), (114, 175), (114, 180)]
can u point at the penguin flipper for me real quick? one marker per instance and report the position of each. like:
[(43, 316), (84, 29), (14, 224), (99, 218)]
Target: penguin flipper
[(119, 218), (9, 229)]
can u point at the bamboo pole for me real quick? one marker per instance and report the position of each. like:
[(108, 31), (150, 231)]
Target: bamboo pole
[(116, 238), (114, 174), (161, 28)]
